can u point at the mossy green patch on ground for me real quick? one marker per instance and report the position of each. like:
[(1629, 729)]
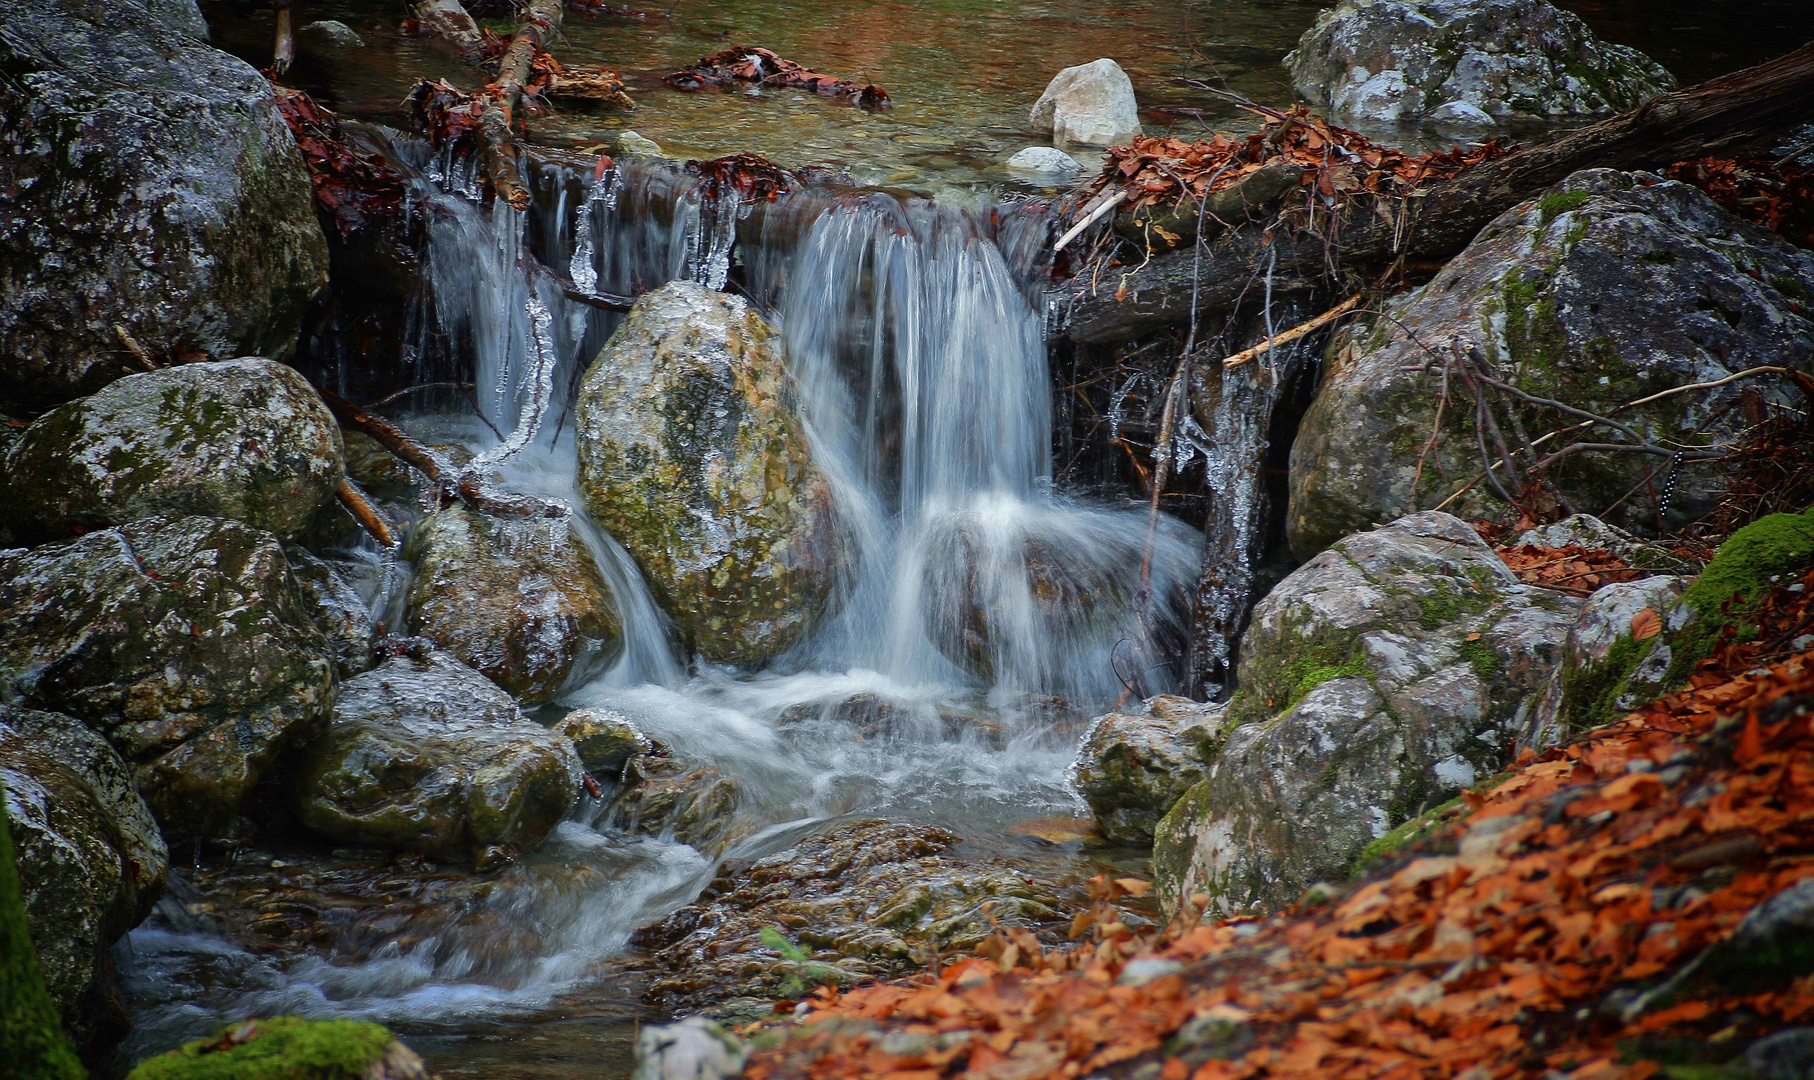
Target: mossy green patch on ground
[(282, 1048), (31, 1033), (1737, 579), (1408, 832)]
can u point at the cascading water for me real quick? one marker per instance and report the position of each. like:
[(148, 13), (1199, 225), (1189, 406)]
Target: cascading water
[(973, 590)]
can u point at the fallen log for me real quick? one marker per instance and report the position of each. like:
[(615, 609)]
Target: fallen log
[(541, 21), (1722, 117)]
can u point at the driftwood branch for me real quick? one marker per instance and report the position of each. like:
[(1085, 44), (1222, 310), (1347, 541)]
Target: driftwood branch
[(364, 513), (1286, 337), (541, 22), (1723, 117)]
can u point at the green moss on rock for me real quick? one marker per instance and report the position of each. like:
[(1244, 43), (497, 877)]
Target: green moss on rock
[(282, 1048), (31, 1035)]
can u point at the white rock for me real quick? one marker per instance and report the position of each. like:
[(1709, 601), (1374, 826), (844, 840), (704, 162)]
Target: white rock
[(1044, 162), (1089, 105), (630, 144), (693, 1049)]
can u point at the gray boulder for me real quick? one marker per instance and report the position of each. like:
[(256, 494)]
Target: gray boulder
[(1588, 531), (691, 454), (184, 642), (1606, 670), (1089, 105), (148, 182), (331, 35), (425, 754), (247, 439), (1466, 63), (1136, 765), (91, 861), (664, 795), (1378, 680), (338, 607), (518, 598), (1045, 164), (1610, 287), (605, 739), (695, 1048)]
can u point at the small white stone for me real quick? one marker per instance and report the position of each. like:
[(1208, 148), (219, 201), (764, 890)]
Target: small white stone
[(1460, 114), (1146, 969), (1089, 105), (1044, 162)]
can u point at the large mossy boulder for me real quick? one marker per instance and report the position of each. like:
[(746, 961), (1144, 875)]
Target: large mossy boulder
[(31, 1033), (1378, 680), (518, 598), (289, 1048), (146, 181), (184, 642), (247, 439), (424, 754), (1466, 63), (862, 900), (1608, 288), (1135, 765), (692, 455), (90, 857)]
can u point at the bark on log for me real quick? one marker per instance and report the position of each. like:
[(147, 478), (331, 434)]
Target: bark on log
[(449, 19), (1723, 117), (541, 21)]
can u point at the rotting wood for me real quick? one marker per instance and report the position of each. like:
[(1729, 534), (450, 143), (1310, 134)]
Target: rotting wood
[(449, 20), (283, 53), (1724, 116), (364, 513)]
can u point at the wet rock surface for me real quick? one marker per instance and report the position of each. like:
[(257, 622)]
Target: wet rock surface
[(666, 795), (605, 739), (1136, 765), (184, 642), (862, 900), (1088, 105), (1466, 63), (150, 183), (692, 456), (1377, 680), (1610, 287), (339, 609), (90, 857), (426, 755), (520, 599), (246, 439)]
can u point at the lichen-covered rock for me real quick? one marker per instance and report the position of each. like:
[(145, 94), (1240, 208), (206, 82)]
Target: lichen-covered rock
[(605, 739), (427, 755), (1136, 765), (1377, 680), (1607, 670), (1091, 104), (146, 181), (518, 598), (695, 1048), (1466, 63), (184, 642), (691, 454), (289, 1048), (1610, 287), (91, 861), (247, 439), (865, 899), (1590, 532), (663, 795)]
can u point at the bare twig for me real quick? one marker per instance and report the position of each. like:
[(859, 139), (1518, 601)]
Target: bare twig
[(1094, 211), (364, 513), (132, 346), (1296, 332)]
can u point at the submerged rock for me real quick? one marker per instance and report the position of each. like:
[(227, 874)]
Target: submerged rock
[(331, 35), (518, 598), (1136, 765), (427, 755), (184, 642), (1610, 287), (91, 862), (1378, 680), (866, 899), (664, 795), (1466, 63), (149, 183), (691, 454), (1044, 163), (247, 439), (1088, 105)]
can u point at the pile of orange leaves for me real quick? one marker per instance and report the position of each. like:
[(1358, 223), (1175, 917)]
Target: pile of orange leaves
[(740, 64), (1571, 569), (1775, 193), (1334, 160), (1494, 948)]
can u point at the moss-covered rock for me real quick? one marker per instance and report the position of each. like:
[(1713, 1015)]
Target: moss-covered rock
[(149, 183), (1466, 63), (427, 755), (1606, 671), (1627, 287), (246, 439), (605, 738), (1136, 765), (1376, 681), (864, 899), (520, 599), (289, 1048), (691, 454), (184, 642), (91, 859), (31, 1034)]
